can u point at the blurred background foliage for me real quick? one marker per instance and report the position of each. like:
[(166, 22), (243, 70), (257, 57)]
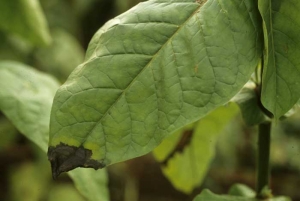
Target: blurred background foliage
[(24, 170)]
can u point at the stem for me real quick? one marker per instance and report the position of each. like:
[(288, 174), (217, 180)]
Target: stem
[(263, 152)]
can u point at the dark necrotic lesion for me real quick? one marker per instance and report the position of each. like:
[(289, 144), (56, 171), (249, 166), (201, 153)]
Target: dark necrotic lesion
[(184, 141), (64, 158)]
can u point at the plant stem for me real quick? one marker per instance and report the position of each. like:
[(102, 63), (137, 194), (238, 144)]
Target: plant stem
[(263, 155)]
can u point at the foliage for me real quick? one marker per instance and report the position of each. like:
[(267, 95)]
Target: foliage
[(189, 149), (151, 78), (165, 76), (280, 82)]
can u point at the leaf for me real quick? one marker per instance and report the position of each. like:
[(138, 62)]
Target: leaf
[(149, 72), (25, 98), (281, 71), (64, 192), (241, 190), (92, 184), (26, 19), (249, 103), (162, 152), (206, 195), (187, 167)]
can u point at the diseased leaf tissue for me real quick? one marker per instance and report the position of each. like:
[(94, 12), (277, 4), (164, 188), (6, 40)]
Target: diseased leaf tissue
[(139, 84)]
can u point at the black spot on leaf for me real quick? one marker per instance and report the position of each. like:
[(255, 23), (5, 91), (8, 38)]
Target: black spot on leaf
[(64, 158)]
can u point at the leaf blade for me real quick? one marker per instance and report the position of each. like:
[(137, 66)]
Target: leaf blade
[(151, 79), (280, 84), (26, 95), (187, 167)]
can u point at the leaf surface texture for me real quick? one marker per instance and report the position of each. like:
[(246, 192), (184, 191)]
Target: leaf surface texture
[(152, 70), (281, 73)]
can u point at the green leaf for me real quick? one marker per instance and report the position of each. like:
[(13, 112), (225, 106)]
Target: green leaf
[(62, 192), (241, 190), (206, 195), (26, 19), (281, 71), (149, 72), (249, 103), (25, 98), (92, 184), (186, 164), (167, 146)]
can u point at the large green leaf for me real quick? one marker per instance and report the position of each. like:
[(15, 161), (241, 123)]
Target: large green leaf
[(26, 19), (25, 98), (281, 73), (148, 72), (186, 165)]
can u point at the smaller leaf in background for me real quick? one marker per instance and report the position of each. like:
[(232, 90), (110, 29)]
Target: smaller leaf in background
[(25, 98), (241, 190), (192, 150), (26, 19), (64, 192), (96, 189), (248, 101), (207, 195), (167, 146), (62, 56)]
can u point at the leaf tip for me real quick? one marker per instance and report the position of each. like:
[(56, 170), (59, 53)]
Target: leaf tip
[(64, 158)]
